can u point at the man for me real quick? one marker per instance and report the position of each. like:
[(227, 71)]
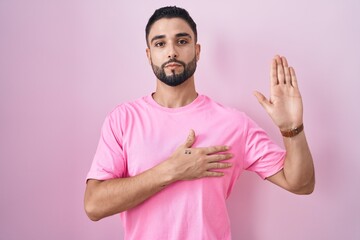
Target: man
[(169, 183)]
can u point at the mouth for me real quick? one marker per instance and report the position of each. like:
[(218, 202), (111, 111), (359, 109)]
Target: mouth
[(173, 65)]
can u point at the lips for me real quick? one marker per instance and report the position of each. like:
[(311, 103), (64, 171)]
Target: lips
[(173, 65)]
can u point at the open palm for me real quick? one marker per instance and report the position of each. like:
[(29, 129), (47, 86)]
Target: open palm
[(285, 104)]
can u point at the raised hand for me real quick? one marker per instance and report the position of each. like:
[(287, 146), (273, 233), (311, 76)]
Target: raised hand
[(285, 104), (188, 163)]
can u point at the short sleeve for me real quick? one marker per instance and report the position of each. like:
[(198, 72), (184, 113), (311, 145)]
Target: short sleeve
[(262, 155), (109, 161)]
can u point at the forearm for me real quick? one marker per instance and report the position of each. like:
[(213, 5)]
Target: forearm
[(298, 167), (109, 197)]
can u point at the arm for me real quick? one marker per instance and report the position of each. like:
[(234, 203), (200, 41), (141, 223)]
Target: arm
[(286, 110), (105, 198), (298, 174)]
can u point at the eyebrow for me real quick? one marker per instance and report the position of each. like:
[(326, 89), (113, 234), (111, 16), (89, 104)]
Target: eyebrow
[(157, 37), (184, 34)]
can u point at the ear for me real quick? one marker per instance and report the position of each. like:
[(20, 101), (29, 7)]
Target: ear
[(148, 54), (197, 51)]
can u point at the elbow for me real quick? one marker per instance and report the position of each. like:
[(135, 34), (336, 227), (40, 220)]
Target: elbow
[(304, 189), (310, 189), (91, 211), (91, 202), (92, 206)]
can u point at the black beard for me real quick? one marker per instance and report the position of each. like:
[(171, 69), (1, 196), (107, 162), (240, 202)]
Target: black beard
[(175, 79)]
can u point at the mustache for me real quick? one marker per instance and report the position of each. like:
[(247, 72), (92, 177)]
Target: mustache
[(173, 60)]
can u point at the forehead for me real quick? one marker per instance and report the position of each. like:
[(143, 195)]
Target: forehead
[(170, 27)]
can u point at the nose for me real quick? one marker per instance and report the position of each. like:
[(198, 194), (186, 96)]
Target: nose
[(172, 52)]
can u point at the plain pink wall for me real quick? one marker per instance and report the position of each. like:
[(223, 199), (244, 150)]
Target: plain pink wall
[(65, 64)]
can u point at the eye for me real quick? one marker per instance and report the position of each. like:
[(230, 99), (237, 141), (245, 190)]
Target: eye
[(159, 44), (182, 41)]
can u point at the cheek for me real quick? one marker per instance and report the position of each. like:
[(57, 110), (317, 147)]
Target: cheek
[(156, 58), (191, 53)]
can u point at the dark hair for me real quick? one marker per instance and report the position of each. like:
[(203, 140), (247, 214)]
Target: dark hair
[(170, 12)]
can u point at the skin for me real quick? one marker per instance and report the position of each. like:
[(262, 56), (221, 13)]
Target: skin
[(173, 38), (286, 110)]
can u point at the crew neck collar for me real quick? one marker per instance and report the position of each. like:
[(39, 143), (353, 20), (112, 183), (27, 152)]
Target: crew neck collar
[(150, 100)]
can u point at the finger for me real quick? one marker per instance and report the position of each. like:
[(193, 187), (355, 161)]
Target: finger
[(286, 70), (284, 61), (287, 75), (190, 139), (293, 78), (218, 165), (213, 174), (215, 149), (262, 100), (218, 157), (273, 74), (280, 70)]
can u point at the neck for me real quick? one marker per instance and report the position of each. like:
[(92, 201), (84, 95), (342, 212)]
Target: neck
[(174, 97)]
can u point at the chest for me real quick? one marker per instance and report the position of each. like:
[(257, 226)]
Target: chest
[(149, 140)]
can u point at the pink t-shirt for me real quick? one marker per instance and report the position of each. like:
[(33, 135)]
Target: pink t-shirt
[(138, 135)]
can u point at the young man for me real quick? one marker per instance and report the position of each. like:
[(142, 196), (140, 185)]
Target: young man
[(169, 183)]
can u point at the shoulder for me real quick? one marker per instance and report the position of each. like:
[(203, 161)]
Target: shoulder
[(224, 110), (128, 106), (124, 112)]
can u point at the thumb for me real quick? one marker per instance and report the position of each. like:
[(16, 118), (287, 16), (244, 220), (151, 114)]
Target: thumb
[(262, 100), (190, 139)]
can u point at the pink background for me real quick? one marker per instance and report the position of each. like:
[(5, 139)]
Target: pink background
[(65, 64)]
